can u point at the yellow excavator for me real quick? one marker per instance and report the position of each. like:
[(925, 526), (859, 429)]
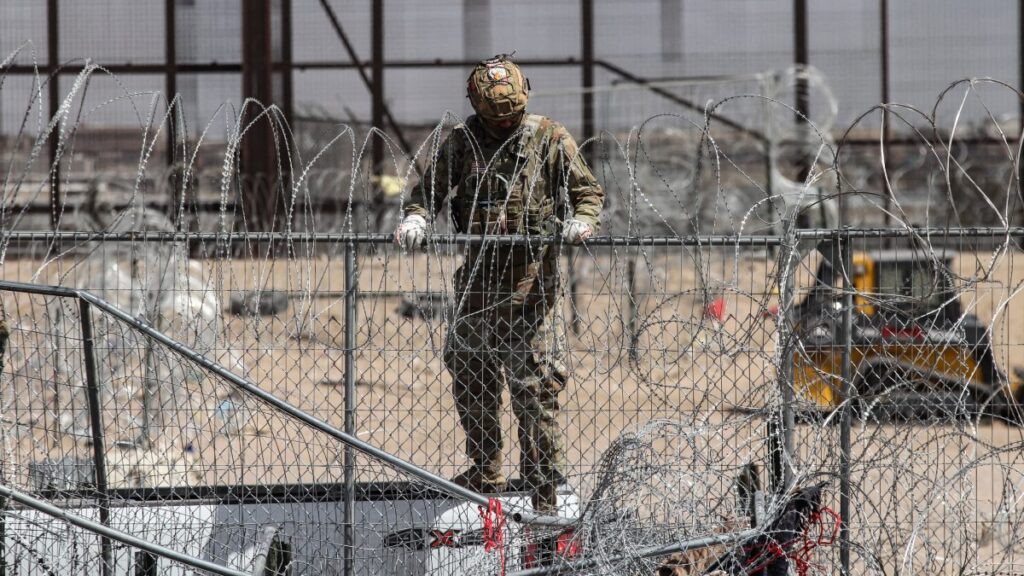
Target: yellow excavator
[(913, 350)]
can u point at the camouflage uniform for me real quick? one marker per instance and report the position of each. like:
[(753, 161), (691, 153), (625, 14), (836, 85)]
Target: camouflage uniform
[(509, 321)]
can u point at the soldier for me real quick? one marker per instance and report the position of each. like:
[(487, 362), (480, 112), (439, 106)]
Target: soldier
[(512, 173)]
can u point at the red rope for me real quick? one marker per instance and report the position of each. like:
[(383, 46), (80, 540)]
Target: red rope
[(801, 556), (494, 530)]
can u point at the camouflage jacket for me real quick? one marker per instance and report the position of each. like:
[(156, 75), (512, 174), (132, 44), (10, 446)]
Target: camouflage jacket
[(537, 171), (525, 184)]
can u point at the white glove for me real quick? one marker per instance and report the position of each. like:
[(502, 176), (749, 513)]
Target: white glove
[(576, 231), (412, 232)]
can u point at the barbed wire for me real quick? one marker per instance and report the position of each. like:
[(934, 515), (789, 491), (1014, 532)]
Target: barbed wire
[(719, 389)]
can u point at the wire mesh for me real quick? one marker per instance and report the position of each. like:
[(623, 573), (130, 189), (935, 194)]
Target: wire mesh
[(934, 475), (726, 367)]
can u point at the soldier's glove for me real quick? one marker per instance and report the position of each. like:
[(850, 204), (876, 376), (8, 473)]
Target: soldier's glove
[(576, 231), (411, 234)]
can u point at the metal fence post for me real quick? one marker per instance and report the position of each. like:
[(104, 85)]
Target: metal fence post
[(4, 335), (96, 425), (781, 426), (587, 105), (631, 297), (842, 240), (350, 404), (148, 385), (377, 89), (3, 536), (53, 94), (171, 89), (883, 53), (574, 322)]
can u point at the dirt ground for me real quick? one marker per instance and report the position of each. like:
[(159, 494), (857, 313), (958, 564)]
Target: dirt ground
[(926, 496)]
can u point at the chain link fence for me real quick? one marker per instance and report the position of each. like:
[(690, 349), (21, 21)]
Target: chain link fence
[(876, 362), (738, 383)]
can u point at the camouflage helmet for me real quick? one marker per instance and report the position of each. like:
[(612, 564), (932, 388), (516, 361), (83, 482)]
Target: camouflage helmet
[(497, 89)]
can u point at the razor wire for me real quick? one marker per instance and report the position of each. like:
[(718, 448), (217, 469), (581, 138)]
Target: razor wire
[(706, 337)]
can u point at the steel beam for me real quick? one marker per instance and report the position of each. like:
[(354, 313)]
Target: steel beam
[(259, 171), (170, 77), (377, 109), (285, 66), (52, 66), (883, 20), (801, 58), (587, 70)]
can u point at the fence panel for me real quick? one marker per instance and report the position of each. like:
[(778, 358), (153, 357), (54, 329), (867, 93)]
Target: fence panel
[(893, 355)]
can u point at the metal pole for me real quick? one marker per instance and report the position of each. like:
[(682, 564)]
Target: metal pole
[(631, 294), (288, 70), (883, 7), (350, 404), (53, 61), (848, 392), (96, 425), (4, 335), (587, 79), (176, 184), (800, 46), (377, 56), (801, 58), (570, 272), (149, 386), (171, 85), (261, 199), (587, 61), (782, 425)]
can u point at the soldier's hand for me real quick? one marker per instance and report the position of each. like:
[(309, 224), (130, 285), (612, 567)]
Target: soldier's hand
[(411, 234), (576, 231)]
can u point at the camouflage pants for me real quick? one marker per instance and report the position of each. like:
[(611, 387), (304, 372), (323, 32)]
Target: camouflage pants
[(510, 344)]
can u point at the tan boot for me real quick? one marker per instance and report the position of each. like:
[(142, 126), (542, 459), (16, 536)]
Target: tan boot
[(481, 480)]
